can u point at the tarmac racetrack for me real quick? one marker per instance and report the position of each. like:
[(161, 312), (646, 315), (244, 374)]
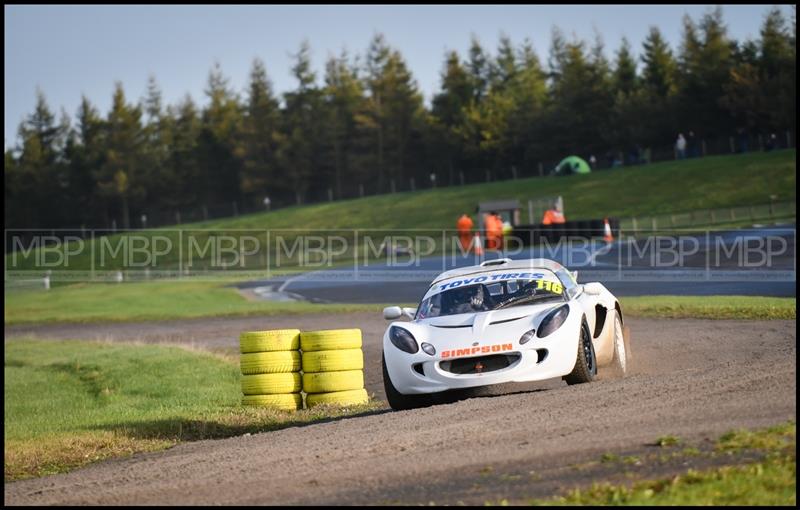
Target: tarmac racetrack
[(694, 379), (753, 262)]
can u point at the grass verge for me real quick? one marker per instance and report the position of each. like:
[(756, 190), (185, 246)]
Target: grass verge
[(710, 307), (768, 481), (71, 403), (162, 300), (145, 301)]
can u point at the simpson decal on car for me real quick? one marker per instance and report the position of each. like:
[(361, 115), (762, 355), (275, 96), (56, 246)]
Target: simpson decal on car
[(471, 351)]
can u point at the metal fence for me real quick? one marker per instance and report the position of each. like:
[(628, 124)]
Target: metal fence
[(774, 211)]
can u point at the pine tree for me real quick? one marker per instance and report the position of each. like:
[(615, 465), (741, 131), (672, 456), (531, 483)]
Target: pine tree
[(40, 167), (479, 69), (580, 96), (157, 141), (449, 108), (529, 93), (377, 58), (778, 70), (86, 154), (218, 158), (186, 177), (402, 112), (121, 176), (658, 75), (345, 104), (625, 79), (504, 68), (260, 137), (705, 64), (302, 126), (655, 108)]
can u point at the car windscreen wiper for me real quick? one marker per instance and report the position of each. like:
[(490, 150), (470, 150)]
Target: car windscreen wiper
[(525, 299)]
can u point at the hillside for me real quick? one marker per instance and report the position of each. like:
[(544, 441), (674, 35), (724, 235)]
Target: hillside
[(711, 182), (672, 187)]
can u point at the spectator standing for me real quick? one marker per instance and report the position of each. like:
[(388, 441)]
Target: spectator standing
[(680, 146), (610, 158), (772, 143), (743, 139), (633, 155)]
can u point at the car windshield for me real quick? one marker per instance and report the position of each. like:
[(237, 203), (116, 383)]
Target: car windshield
[(483, 297)]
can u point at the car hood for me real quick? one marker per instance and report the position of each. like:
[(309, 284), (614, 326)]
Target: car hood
[(482, 324)]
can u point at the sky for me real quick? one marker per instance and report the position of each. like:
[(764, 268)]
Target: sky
[(70, 51)]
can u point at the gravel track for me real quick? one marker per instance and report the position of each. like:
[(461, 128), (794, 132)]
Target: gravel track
[(692, 378)]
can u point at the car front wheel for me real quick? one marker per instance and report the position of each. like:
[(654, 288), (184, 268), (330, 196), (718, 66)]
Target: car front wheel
[(397, 400), (585, 369)]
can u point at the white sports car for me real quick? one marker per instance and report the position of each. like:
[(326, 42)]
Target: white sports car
[(501, 321)]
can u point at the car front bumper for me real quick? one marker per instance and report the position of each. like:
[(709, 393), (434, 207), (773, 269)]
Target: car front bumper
[(560, 347)]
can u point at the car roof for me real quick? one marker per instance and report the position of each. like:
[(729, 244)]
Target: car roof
[(495, 264)]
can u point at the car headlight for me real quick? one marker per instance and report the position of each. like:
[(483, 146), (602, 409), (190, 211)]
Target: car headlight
[(553, 320), (403, 340), (524, 339), (428, 348)]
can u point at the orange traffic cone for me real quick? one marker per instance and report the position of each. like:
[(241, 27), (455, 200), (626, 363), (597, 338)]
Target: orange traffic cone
[(607, 235), (477, 245)]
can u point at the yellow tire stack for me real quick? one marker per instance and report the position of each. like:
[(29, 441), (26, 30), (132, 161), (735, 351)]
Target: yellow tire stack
[(270, 363), (333, 367)]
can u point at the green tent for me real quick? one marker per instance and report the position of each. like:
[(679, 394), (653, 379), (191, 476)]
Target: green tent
[(572, 165)]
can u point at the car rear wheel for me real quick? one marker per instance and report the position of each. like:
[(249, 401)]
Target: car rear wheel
[(397, 400), (585, 369), (619, 363)]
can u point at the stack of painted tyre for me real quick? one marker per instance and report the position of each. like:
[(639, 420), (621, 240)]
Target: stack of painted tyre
[(270, 363), (333, 367)]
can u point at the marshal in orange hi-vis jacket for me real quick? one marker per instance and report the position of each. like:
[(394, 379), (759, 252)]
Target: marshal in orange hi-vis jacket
[(464, 226), (553, 216)]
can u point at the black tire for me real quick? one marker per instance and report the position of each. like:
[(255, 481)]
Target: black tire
[(626, 334), (397, 400), (619, 361), (585, 369)]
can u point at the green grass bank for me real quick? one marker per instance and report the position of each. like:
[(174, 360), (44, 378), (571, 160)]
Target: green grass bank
[(71, 403)]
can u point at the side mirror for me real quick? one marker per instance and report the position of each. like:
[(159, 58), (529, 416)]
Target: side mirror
[(593, 288), (391, 313), (575, 276), (409, 312)]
